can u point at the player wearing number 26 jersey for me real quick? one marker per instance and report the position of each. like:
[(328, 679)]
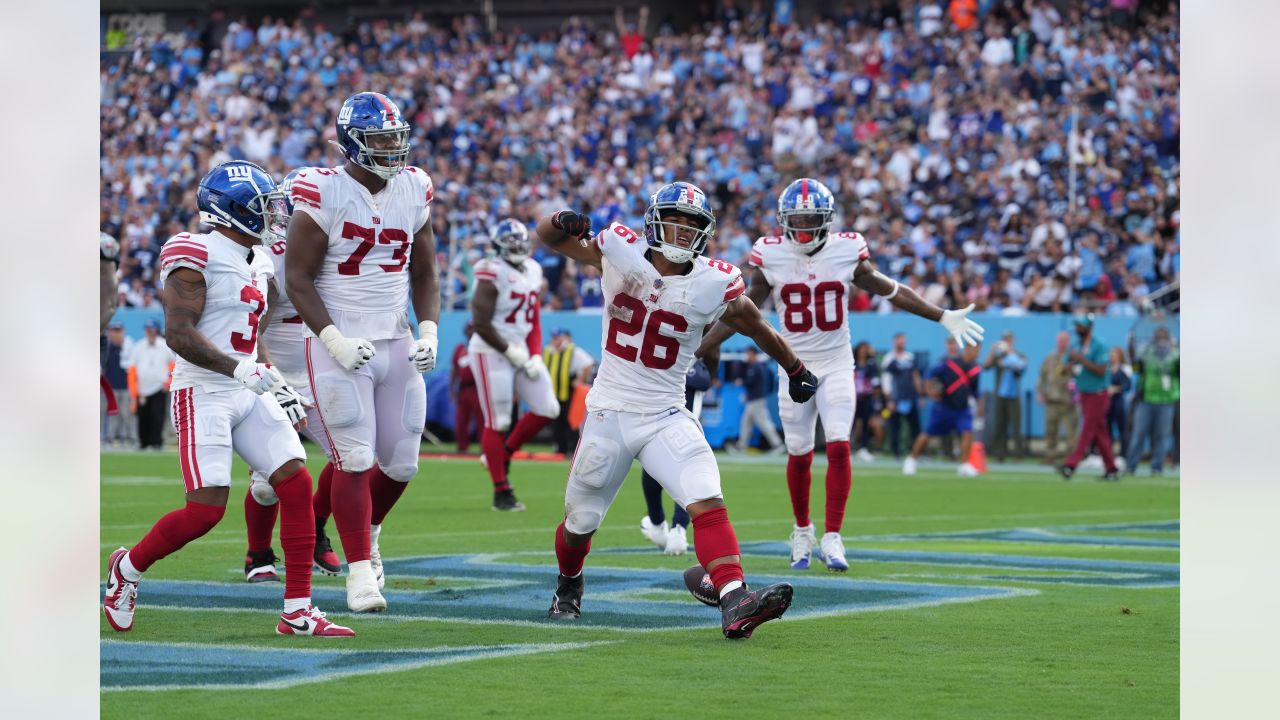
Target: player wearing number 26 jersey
[(360, 247), (660, 295), (506, 352), (808, 270), (226, 397)]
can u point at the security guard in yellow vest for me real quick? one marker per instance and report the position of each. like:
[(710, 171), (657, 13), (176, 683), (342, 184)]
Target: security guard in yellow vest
[(568, 365)]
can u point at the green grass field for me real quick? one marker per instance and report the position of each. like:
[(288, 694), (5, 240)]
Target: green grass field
[(1012, 595)]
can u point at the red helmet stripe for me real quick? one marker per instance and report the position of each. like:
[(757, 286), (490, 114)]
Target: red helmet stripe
[(804, 190)]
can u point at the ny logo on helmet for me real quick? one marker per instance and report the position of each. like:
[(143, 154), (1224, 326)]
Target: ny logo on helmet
[(240, 173), (344, 115)]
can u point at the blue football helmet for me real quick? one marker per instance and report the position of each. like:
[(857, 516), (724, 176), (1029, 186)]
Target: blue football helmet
[(286, 187), (805, 211), (373, 134), (242, 196), (677, 242), (510, 241)]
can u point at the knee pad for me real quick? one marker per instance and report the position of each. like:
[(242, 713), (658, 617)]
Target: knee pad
[(502, 422), (581, 522), (400, 473), (798, 446), (415, 409), (338, 400), (261, 489), (357, 459)]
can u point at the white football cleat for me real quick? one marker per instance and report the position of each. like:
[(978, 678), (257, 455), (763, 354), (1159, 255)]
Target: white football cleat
[(909, 466), (832, 549), (121, 595), (802, 541), (375, 556), (864, 455), (967, 470), (677, 541), (656, 534), (362, 589), (310, 622)]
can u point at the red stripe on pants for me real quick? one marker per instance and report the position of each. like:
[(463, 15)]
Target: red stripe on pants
[(1094, 429)]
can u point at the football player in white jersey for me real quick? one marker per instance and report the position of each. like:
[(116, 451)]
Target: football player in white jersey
[(226, 397), (360, 248), (661, 293), (282, 333), (506, 353), (808, 270), (108, 298)]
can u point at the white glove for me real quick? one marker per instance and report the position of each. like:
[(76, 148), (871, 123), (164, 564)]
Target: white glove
[(423, 351), (351, 353), (293, 404), (963, 329), (256, 376), (534, 367), (518, 355)]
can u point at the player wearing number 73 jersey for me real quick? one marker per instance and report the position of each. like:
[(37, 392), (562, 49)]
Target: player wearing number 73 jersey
[(660, 294), (808, 272), (359, 248), (225, 396), (506, 352)]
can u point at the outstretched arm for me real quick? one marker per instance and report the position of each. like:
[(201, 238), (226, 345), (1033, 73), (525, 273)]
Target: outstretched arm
[(758, 291), (556, 230), (184, 294), (742, 315), (867, 277)]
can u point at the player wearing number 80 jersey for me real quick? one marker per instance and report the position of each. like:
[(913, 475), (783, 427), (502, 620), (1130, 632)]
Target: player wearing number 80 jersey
[(808, 271), (661, 295), (360, 245)]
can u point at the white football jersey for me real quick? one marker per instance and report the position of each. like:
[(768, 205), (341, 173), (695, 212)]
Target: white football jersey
[(519, 299), (810, 292), (364, 281), (652, 323), (284, 337), (235, 298)]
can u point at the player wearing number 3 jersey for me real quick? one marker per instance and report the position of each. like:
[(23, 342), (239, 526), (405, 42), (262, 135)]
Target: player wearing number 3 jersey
[(808, 271), (660, 294), (506, 352), (226, 395), (360, 245)]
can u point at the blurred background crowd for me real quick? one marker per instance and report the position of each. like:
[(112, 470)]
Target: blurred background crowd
[(1018, 154)]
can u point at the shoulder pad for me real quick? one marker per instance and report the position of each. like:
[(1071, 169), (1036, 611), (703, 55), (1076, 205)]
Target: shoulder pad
[(485, 270), (308, 186), (184, 249), (424, 180), (859, 243), (756, 258)]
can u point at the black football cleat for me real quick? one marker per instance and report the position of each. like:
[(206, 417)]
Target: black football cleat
[(325, 559), (505, 501), (1067, 471), (743, 610), (1113, 476), (566, 604), (260, 566)]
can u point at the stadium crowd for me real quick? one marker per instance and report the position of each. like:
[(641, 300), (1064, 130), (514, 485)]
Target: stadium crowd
[(944, 128)]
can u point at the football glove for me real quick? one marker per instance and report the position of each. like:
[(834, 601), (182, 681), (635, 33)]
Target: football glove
[(803, 384), (963, 329), (574, 224), (423, 351), (698, 378), (533, 367), (351, 353), (256, 376), (293, 404)]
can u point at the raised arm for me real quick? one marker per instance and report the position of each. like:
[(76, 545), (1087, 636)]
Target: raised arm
[(743, 316), (757, 291), (184, 294), (956, 322), (556, 230)]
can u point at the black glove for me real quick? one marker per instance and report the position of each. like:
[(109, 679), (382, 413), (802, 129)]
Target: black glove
[(699, 377), (574, 224), (803, 383)]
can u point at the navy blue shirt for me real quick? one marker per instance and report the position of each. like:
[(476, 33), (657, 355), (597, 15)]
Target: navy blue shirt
[(901, 371), (958, 379), (112, 367), (755, 380)]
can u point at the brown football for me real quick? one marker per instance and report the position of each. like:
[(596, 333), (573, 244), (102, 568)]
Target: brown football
[(699, 584)]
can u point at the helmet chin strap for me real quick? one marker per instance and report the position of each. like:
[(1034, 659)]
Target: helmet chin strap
[(675, 254)]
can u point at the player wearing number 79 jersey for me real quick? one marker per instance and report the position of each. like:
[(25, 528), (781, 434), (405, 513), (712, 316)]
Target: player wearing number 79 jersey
[(360, 247), (808, 271), (661, 294)]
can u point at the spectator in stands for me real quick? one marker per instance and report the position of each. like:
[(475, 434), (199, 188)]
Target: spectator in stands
[(150, 364), (121, 429), (755, 412), (902, 385), (1009, 365), (1121, 376), (467, 418), (570, 368), (1088, 358), (868, 422), (1158, 369), (1053, 391)]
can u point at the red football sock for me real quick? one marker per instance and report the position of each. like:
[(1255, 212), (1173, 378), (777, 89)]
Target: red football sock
[(798, 481), (570, 558), (384, 492), (352, 511), (839, 481), (173, 531), (259, 520), (495, 457), (713, 538), (297, 532), (320, 502), (528, 426)]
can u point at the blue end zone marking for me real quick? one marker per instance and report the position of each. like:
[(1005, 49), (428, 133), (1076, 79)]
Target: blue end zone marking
[(616, 598), (171, 666), (1063, 535)]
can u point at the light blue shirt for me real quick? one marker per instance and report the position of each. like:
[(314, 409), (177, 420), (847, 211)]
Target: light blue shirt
[(1012, 364)]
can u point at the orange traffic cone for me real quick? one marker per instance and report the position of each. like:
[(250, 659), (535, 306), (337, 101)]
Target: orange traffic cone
[(978, 457)]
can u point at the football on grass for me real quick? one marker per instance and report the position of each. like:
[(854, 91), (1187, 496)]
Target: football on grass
[(699, 584)]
